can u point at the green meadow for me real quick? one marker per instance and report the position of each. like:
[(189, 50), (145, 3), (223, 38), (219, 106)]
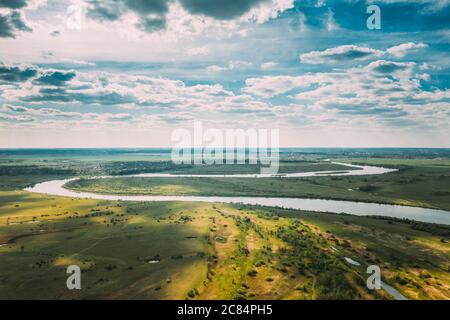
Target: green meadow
[(178, 250), (181, 250)]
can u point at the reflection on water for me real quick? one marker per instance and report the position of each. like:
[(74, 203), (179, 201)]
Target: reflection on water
[(392, 291)]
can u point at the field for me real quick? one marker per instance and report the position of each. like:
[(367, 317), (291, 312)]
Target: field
[(177, 250), (207, 251)]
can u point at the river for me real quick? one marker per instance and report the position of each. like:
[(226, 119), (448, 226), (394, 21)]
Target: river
[(56, 187)]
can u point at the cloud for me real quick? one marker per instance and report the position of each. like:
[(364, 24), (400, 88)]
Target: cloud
[(119, 117), (271, 86), (427, 6), (86, 97), (12, 23), (340, 54), (220, 9), (55, 33), (268, 65), (16, 119), (216, 69), (47, 116), (6, 29), (11, 108), (18, 22), (12, 16), (163, 100), (56, 78), (66, 86), (44, 81), (153, 15), (17, 73), (403, 49), (72, 62), (348, 53), (375, 93), (233, 65), (389, 67), (13, 4), (198, 51)]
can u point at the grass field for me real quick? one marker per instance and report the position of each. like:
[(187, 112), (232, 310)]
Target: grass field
[(176, 250), (207, 251)]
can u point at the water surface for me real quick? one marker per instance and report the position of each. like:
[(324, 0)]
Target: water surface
[(56, 187)]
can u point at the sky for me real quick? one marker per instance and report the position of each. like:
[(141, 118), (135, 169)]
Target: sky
[(127, 73)]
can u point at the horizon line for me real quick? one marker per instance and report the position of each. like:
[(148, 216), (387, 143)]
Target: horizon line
[(168, 148)]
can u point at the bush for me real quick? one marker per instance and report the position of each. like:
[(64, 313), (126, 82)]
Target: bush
[(367, 188), (252, 273)]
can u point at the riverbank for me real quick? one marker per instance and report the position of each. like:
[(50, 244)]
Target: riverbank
[(426, 185), (357, 208)]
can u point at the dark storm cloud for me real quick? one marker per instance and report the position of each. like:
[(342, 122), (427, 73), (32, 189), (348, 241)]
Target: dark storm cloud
[(6, 30), (56, 78), (17, 73), (105, 10), (220, 9), (17, 22), (151, 24), (388, 67), (11, 23), (148, 6), (13, 4), (152, 13)]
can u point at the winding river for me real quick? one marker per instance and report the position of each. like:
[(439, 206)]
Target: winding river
[(56, 187)]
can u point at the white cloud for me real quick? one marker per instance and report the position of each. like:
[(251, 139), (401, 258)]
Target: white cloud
[(403, 49), (233, 65), (272, 86), (339, 54), (268, 10), (16, 118), (331, 24), (268, 65), (349, 53), (199, 51), (383, 92)]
